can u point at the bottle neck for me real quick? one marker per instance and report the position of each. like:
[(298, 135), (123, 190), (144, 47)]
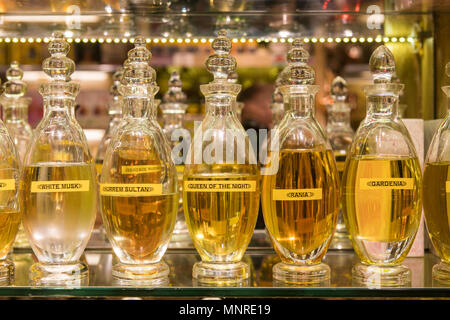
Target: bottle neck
[(338, 116), (138, 107), (15, 113), (300, 105), (173, 120), (55, 106), (220, 104), (382, 106)]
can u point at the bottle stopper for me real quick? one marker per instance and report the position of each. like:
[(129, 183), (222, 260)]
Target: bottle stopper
[(382, 65), (58, 66), (339, 89), (297, 72), (221, 63), (14, 87), (174, 93)]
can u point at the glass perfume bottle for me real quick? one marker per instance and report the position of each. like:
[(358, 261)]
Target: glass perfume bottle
[(382, 183), (115, 115), (138, 183), (58, 183), (15, 118), (173, 110), (340, 134), (300, 189), (436, 189), (10, 215), (277, 105), (221, 179)]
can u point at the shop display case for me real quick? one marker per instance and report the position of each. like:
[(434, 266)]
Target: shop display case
[(340, 35)]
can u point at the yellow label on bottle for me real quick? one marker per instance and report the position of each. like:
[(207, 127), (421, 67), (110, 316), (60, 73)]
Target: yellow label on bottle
[(340, 165), (7, 184), (180, 168), (386, 183), (220, 186), (131, 189), (60, 186), (297, 194), (141, 169), (447, 186)]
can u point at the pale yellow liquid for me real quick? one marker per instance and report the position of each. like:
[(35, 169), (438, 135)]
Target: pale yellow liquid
[(382, 223), (302, 227), (436, 202), (221, 224), (58, 224), (139, 228)]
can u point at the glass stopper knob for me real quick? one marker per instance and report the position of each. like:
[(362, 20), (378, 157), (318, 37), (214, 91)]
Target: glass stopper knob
[(174, 93), (221, 63), (137, 71), (382, 65), (339, 89), (58, 66), (14, 87), (297, 72), (297, 53)]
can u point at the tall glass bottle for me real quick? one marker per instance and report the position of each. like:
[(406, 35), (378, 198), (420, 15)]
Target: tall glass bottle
[(173, 110), (58, 183), (138, 183), (300, 189), (340, 134), (221, 179), (382, 183), (115, 115), (15, 118), (436, 197), (10, 215)]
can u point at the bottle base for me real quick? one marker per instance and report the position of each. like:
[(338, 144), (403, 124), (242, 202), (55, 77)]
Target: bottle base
[(76, 274), (220, 273), (305, 275), (6, 272), (145, 274), (341, 241), (374, 276), (441, 272)]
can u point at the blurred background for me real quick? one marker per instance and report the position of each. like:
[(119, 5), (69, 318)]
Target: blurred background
[(339, 34)]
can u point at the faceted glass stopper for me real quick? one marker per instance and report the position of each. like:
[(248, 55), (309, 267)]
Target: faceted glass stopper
[(339, 89), (174, 93), (297, 72), (14, 87), (117, 76), (137, 71), (58, 66), (382, 65), (221, 63)]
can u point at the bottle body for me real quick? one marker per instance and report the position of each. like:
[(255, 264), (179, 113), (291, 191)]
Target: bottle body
[(436, 197)]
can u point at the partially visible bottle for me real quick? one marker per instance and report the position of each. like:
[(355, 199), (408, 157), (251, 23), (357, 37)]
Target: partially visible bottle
[(382, 184), (115, 115), (340, 134), (221, 179), (436, 197), (238, 106), (10, 214), (15, 118), (277, 105), (173, 110), (138, 183), (300, 189), (58, 183)]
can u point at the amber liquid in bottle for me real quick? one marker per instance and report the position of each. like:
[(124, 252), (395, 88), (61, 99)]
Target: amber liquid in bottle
[(140, 226), (219, 222), (436, 201), (302, 227), (382, 216)]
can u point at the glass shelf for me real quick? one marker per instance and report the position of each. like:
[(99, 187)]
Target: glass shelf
[(261, 259)]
